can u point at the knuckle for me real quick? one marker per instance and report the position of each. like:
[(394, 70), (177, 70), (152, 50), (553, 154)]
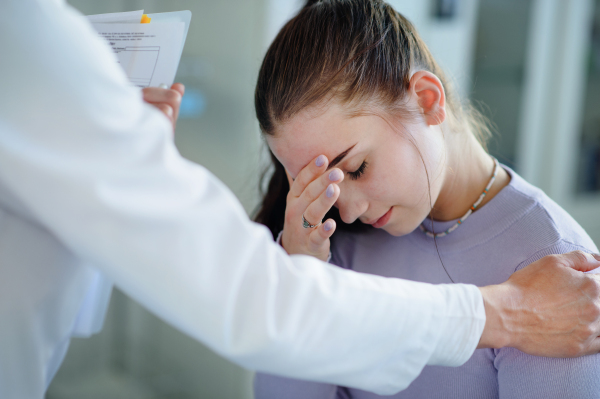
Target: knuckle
[(311, 192), (580, 256), (593, 311), (315, 239), (308, 215), (575, 349), (585, 333), (594, 288), (300, 181), (173, 96), (553, 261), (289, 197)]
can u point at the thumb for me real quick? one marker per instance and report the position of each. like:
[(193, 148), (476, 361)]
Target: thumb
[(581, 261)]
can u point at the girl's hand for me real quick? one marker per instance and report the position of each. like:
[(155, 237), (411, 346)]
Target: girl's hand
[(312, 194), (166, 100)]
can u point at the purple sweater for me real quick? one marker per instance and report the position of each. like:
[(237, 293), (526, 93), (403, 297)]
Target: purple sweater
[(517, 227)]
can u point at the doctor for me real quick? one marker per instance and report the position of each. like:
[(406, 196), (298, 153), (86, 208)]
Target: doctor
[(93, 191)]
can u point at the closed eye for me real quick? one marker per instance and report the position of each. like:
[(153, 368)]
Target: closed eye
[(358, 172)]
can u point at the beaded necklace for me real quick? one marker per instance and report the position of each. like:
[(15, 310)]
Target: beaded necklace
[(470, 211)]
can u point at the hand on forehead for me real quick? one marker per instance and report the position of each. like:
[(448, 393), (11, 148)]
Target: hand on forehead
[(306, 136)]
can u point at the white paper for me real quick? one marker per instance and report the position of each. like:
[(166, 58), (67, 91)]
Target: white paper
[(149, 53), (118, 17)]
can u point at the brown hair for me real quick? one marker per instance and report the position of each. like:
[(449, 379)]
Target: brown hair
[(357, 52)]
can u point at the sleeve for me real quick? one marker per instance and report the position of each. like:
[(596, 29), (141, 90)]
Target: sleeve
[(90, 162), (524, 376)]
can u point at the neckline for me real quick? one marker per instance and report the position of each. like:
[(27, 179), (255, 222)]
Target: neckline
[(487, 222)]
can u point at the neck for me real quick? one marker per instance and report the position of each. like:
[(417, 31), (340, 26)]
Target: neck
[(469, 169)]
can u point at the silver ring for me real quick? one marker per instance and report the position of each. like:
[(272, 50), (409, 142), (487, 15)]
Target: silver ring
[(306, 224)]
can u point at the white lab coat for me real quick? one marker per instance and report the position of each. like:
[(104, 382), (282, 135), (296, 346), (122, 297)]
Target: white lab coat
[(92, 190)]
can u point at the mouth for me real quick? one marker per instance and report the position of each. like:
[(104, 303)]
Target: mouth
[(382, 221)]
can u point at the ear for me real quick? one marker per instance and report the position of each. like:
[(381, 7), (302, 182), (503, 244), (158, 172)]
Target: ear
[(430, 95)]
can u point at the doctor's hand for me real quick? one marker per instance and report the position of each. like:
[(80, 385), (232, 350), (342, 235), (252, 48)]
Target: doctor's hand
[(549, 308), (312, 194), (166, 100)]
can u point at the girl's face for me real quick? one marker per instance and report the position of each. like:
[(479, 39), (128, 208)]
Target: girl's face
[(386, 183)]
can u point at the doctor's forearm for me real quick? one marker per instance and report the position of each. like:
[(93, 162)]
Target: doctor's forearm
[(546, 309)]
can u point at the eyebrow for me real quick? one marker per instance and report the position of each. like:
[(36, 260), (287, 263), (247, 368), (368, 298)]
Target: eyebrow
[(340, 157)]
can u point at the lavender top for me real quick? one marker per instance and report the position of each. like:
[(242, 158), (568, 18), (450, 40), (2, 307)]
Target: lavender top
[(517, 227)]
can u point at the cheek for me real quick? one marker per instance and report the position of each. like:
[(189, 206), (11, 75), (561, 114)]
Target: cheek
[(401, 180)]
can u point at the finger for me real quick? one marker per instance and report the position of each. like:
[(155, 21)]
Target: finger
[(319, 236), (317, 188), (290, 180), (179, 87), (156, 95), (165, 109), (591, 349), (594, 347), (317, 209), (310, 172), (153, 94), (580, 260)]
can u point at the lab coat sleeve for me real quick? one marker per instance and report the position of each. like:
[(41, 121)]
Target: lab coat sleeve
[(98, 168)]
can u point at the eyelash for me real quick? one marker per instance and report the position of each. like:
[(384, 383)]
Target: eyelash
[(358, 172)]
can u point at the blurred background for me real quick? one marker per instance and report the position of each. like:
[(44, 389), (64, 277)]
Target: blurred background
[(532, 66)]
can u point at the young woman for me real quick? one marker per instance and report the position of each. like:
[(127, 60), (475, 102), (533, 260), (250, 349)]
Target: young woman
[(359, 116)]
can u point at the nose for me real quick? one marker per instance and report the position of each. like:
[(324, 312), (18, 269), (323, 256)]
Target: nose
[(350, 206)]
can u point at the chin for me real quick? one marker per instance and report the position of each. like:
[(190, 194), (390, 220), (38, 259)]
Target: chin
[(399, 230)]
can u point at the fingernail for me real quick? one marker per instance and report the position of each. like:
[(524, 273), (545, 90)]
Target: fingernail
[(163, 86), (596, 256), (321, 159), (335, 174), (328, 225), (330, 191)]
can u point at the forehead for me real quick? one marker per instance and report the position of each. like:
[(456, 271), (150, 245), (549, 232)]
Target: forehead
[(309, 134)]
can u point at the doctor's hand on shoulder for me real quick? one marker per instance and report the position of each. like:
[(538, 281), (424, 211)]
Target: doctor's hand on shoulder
[(166, 100)]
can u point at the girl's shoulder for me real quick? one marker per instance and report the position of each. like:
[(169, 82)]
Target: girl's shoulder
[(518, 226), (546, 223)]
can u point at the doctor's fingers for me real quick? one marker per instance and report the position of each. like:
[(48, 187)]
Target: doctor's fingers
[(316, 210), (179, 87), (168, 111), (593, 348), (169, 96), (172, 97)]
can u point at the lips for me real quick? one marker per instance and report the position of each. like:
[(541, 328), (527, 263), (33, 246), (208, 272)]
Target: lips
[(382, 221)]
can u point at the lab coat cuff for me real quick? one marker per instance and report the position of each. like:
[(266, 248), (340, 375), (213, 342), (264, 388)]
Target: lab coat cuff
[(461, 329), (278, 241)]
